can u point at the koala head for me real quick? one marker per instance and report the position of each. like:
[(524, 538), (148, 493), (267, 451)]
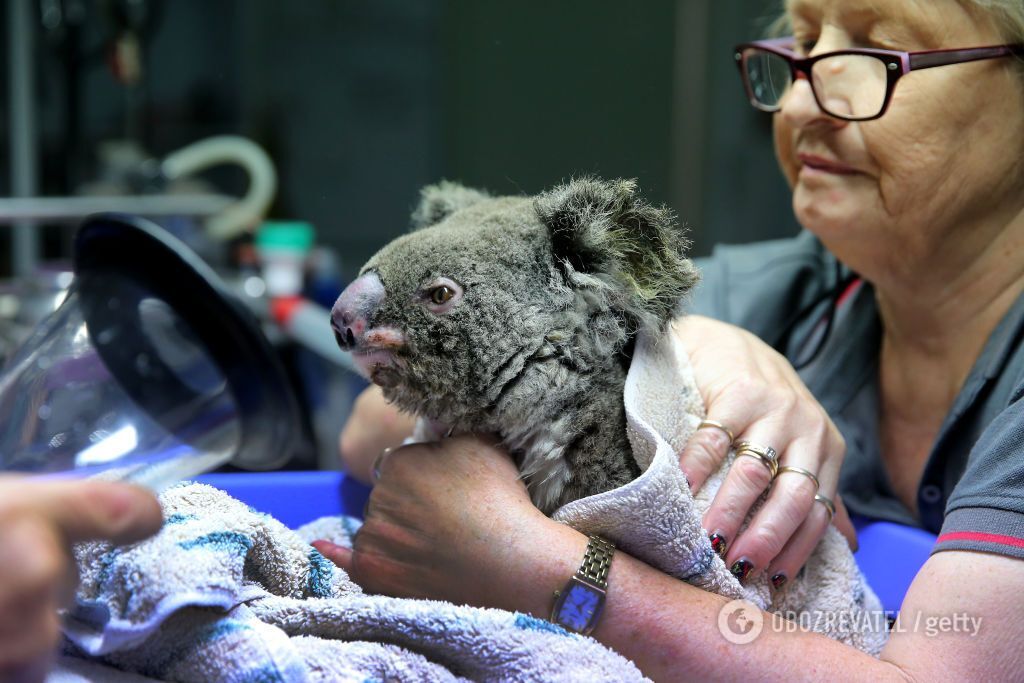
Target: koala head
[(491, 300)]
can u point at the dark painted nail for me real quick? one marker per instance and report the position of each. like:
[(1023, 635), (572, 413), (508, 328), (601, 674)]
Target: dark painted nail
[(741, 568), (779, 580), (800, 574), (719, 544)]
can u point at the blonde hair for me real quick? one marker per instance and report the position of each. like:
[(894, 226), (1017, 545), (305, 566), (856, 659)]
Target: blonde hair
[(1007, 14)]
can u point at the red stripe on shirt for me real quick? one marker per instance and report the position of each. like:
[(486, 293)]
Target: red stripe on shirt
[(981, 537), (848, 292)]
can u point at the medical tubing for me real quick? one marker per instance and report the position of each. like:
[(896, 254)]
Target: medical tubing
[(229, 149)]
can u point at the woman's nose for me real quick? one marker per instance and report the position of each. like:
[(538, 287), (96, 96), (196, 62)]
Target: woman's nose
[(800, 109)]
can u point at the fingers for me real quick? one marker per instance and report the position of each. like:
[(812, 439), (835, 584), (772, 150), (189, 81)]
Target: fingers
[(38, 521), (748, 478), (338, 554), (34, 567), (799, 547), (84, 510), (784, 513), (704, 454), (784, 531)]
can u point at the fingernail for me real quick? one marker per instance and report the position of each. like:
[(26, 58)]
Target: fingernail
[(779, 580), (741, 568), (800, 574), (719, 544)]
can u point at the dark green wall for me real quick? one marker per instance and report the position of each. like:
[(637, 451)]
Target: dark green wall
[(535, 92)]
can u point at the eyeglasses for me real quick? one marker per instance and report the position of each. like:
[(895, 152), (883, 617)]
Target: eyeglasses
[(853, 85)]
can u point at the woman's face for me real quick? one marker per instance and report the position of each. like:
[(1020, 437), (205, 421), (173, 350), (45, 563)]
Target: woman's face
[(942, 168)]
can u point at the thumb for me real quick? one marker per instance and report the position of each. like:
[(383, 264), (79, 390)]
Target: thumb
[(84, 509), (338, 554)]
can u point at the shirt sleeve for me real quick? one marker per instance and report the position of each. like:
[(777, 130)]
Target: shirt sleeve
[(985, 511)]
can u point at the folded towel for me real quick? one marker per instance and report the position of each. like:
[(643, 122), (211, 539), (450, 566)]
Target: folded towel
[(224, 593), (657, 519)]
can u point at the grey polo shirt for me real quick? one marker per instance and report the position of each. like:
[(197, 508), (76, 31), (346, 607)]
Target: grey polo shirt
[(972, 491)]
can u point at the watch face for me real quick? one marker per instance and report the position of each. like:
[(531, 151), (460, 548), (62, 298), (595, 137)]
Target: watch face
[(578, 606)]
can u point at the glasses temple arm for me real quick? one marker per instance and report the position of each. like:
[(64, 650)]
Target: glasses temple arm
[(926, 60)]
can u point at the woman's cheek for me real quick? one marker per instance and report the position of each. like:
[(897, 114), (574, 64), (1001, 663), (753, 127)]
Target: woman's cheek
[(783, 136)]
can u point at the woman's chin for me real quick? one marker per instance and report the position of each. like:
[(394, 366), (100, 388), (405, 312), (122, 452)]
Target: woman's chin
[(834, 213)]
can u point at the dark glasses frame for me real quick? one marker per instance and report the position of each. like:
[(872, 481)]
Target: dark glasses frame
[(897, 65)]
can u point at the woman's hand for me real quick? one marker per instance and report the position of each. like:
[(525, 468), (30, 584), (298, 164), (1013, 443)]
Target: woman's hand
[(38, 523), (373, 426), (754, 391), (452, 520)]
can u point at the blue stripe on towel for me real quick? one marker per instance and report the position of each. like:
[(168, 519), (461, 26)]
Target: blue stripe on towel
[(701, 562), (106, 563), (320, 572), (226, 541), (528, 623), (161, 666), (178, 518)]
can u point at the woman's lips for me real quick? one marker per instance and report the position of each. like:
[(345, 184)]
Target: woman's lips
[(814, 162)]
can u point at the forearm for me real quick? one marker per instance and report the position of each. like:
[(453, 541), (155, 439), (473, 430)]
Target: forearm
[(670, 629), (373, 426)]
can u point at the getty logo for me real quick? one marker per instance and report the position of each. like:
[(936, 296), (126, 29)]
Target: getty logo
[(740, 622)]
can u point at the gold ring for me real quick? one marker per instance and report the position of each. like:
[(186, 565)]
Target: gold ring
[(717, 425), (765, 460), (378, 462), (765, 451), (801, 470), (829, 505)]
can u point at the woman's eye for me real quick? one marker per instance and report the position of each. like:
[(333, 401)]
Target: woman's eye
[(441, 295)]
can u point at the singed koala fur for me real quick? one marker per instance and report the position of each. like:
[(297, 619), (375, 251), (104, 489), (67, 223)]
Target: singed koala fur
[(516, 316)]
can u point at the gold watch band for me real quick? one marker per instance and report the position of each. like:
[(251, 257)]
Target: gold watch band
[(597, 561), (578, 606)]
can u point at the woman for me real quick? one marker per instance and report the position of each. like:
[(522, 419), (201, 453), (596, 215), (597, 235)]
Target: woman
[(921, 195)]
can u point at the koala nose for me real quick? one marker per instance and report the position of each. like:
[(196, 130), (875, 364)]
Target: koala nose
[(352, 311)]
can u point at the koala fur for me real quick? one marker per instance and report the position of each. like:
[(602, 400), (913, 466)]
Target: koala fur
[(536, 345)]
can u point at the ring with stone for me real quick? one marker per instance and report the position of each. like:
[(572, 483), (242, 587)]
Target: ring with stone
[(770, 463), (766, 452)]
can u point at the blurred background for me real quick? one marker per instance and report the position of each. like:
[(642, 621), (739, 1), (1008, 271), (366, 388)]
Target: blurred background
[(351, 107)]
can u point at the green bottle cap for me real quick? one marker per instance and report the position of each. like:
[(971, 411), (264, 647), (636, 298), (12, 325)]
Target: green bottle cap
[(290, 235)]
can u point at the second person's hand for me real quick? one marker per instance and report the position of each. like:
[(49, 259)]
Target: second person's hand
[(753, 392)]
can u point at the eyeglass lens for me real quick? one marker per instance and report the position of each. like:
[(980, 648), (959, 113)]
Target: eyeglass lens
[(850, 86)]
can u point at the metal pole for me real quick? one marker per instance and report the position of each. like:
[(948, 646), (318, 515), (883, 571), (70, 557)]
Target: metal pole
[(690, 98), (24, 147)]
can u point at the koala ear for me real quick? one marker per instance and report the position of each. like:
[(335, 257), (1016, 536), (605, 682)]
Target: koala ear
[(437, 202), (605, 237)]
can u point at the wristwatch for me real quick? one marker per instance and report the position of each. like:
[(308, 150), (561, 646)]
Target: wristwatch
[(578, 605)]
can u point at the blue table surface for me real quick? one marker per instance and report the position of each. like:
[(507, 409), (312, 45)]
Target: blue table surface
[(890, 555)]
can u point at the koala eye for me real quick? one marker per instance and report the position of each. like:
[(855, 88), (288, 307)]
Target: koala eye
[(441, 295)]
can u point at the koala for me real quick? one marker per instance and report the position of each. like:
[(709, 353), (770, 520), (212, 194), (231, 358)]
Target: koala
[(517, 316)]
